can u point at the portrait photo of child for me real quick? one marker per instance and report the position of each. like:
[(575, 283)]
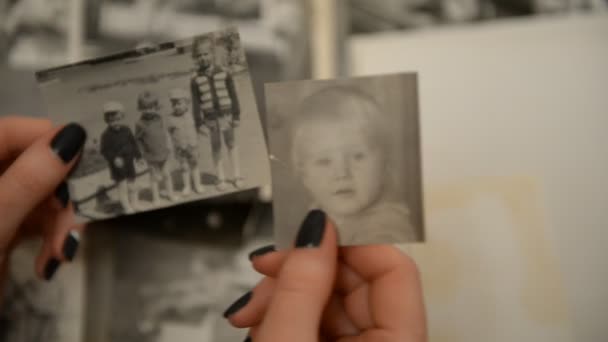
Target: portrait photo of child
[(349, 147), (170, 124)]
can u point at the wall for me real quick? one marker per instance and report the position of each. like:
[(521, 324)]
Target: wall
[(518, 98)]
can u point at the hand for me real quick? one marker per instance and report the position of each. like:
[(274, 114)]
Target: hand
[(35, 158), (119, 162), (316, 292)]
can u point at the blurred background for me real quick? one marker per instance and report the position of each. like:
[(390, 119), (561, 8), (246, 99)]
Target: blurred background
[(513, 120)]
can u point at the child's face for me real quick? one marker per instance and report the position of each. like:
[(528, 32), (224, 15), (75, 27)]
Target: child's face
[(340, 166), (116, 121), (203, 54), (180, 106)]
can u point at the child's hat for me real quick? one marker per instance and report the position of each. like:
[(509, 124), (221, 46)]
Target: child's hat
[(178, 93), (147, 100), (113, 106)]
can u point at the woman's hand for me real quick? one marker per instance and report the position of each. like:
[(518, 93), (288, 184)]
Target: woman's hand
[(35, 158), (317, 292)]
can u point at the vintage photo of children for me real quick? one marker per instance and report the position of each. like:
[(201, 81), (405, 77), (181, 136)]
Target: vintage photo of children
[(349, 147), (173, 123)]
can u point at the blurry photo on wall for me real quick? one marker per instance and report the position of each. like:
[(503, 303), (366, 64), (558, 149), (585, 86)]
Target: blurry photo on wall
[(169, 124), (274, 33), (368, 16), (36, 34), (176, 291), (351, 148), (36, 310)]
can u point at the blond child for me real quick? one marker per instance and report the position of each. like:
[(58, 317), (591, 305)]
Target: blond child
[(341, 152), (154, 144), (184, 138)]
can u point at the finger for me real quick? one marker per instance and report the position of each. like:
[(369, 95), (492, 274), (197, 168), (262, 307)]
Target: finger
[(262, 251), (304, 284), (3, 276), (46, 219), (395, 292), (18, 133), (35, 175), (60, 244), (269, 264), (46, 266), (355, 292), (347, 279), (336, 321), (373, 335), (248, 310), (64, 235), (252, 335)]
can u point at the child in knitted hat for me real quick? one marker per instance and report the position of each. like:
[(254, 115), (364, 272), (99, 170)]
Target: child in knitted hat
[(151, 134), (119, 148)]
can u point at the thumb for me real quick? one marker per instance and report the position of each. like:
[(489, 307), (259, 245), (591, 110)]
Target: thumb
[(304, 284)]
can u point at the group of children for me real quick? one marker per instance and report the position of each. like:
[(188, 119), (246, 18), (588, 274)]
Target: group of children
[(210, 108)]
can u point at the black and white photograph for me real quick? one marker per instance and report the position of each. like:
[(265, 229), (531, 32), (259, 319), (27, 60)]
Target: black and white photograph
[(349, 147), (274, 33), (35, 310), (168, 124), (176, 291), (368, 16), (36, 34)]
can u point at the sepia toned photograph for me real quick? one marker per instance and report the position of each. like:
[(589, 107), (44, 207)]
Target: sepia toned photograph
[(168, 124), (36, 310), (350, 147)]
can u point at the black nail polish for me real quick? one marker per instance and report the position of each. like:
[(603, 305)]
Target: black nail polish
[(238, 304), (62, 194), (248, 339), (68, 142), (70, 246), (50, 268), (261, 251), (312, 230)]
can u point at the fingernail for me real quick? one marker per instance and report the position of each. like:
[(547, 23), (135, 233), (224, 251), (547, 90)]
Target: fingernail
[(238, 304), (312, 229), (62, 194), (261, 251), (50, 268), (68, 142), (70, 246)]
